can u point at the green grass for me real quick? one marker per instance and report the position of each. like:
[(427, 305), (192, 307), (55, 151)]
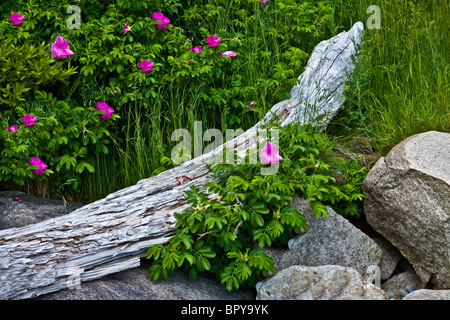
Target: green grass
[(401, 84), (146, 133), (400, 87)]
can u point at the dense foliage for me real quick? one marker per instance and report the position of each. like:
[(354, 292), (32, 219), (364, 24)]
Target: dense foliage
[(270, 41), (401, 83), (219, 233)]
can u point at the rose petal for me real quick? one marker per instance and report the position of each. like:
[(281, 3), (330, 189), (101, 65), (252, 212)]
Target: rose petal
[(269, 154), (180, 179)]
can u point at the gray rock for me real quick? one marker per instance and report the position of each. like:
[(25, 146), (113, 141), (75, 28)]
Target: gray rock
[(427, 294), (391, 258), (30, 210), (390, 295), (407, 201), (405, 265), (318, 283), (330, 241), (399, 282), (135, 284), (410, 288), (403, 292)]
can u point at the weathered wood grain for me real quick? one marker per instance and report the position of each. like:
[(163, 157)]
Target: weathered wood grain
[(111, 234)]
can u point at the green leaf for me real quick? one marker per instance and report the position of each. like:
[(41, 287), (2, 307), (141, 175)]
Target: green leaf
[(205, 263), (192, 274), (207, 252), (153, 251), (190, 258), (259, 220)]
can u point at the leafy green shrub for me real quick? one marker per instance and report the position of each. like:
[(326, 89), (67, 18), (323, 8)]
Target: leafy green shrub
[(61, 137), (218, 233), (271, 42), (110, 57), (24, 67), (61, 134)]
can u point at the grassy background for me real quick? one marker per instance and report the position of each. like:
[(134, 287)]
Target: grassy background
[(400, 87), (401, 84), (146, 132)]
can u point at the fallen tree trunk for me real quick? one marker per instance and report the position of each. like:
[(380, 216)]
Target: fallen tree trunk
[(111, 234)]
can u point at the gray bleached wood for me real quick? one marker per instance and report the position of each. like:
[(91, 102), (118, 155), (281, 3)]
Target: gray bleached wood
[(110, 235)]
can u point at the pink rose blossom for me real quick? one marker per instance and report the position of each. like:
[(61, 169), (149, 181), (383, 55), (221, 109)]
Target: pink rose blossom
[(196, 49), (12, 128), (158, 16), (60, 48), (251, 105), (17, 19), (213, 41), (102, 106), (228, 53), (29, 120), (115, 92), (269, 154), (126, 28), (35, 161), (146, 65)]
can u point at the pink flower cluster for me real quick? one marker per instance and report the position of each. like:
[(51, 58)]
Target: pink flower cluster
[(17, 19), (213, 41), (269, 154), (146, 65), (12, 128), (159, 16), (228, 54), (103, 106), (60, 48), (126, 28), (196, 49), (29, 120), (35, 161)]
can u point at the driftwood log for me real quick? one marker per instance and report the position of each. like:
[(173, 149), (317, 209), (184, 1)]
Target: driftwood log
[(112, 234)]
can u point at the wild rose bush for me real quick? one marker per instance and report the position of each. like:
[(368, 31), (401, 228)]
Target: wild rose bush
[(220, 235), (37, 125), (224, 65), (60, 138)]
